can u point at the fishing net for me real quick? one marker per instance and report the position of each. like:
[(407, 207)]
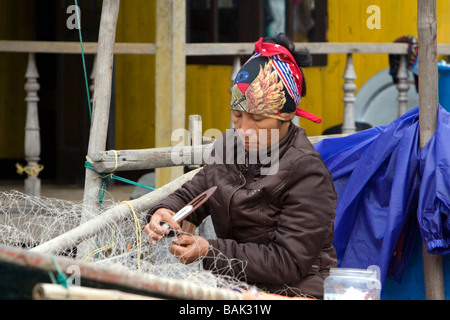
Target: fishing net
[(28, 221)]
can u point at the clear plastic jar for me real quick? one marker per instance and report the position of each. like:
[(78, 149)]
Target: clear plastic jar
[(352, 284)]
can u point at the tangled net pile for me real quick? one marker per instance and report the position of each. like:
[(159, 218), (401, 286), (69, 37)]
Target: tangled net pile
[(27, 221)]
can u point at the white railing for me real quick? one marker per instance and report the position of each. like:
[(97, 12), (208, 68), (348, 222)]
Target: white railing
[(103, 161)]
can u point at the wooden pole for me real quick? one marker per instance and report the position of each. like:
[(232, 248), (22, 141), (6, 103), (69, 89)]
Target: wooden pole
[(100, 107), (171, 80), (102, 96), (47, 291), (428, 110), (144, 159)]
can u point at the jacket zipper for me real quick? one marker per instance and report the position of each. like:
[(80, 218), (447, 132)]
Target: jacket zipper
[(279, 187), (249, 174), (231, 196)]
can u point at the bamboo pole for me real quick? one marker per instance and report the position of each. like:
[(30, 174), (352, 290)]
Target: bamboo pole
[(117, 213), (428, 110)]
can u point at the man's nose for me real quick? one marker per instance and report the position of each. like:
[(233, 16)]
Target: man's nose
[(246, 126)]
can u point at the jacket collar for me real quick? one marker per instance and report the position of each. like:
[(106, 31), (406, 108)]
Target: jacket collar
[(283, 146)]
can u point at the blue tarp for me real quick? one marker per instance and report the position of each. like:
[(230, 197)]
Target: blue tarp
[(388, 190)]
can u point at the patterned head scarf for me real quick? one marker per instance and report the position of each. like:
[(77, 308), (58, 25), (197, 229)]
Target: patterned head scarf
[(270, 84), (412, 59)]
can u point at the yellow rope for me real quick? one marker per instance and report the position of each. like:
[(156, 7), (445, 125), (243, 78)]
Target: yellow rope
[(102, 248), (110, 175), (138, 238), (115, 158), (138, 234), (30, 170), (98, 250), (136, 220)]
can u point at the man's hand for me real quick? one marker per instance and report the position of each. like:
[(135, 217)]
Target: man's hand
[(188, 248), (154, 228)]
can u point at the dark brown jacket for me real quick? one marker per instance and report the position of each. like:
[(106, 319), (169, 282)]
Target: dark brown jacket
[(280, 225)]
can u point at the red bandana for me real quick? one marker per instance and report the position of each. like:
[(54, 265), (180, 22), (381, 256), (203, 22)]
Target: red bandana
[(270, 84), (288, 71)]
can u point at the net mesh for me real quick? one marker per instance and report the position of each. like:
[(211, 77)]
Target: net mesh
[(28, 221)]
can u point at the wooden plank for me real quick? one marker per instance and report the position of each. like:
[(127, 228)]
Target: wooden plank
[(72, 47), (171, 74), (201, 49), (336, 48), (443, 49), (206, 49), (178, 90)]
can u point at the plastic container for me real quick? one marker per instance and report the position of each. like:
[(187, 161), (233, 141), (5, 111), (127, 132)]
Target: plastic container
[(352, 284), (444, 85)]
